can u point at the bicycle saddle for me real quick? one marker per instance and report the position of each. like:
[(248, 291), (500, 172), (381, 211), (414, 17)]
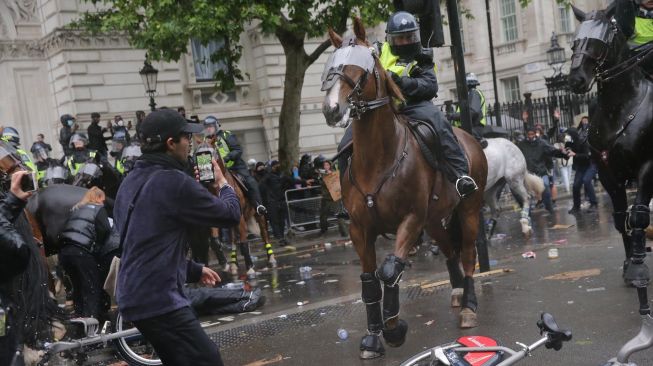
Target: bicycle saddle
[(548, 325)]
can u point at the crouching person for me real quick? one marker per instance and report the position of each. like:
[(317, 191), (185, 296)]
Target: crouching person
[(156, 207)]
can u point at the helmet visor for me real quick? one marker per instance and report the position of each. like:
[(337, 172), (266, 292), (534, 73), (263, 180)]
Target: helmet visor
[(77, 140), (39, 153), (56, 172), (9, 159), (117, 145), (402, 39)]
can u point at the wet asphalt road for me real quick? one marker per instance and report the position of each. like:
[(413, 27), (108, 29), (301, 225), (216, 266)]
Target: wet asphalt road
[(599, 309)]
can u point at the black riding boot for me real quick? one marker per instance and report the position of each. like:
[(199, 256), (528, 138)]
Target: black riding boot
[(456, 161), (254, 194)]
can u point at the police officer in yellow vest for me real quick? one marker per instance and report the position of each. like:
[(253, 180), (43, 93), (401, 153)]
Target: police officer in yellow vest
[(413, 70), (118, 143), (477, 109), (227, 145), (80, 154), (10, 135), (635, 20)]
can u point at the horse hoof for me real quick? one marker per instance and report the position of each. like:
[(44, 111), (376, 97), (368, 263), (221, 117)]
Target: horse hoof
[(272, 261), (233, 269), (371, 347), (397, 336), (468, 319), (456, 297)]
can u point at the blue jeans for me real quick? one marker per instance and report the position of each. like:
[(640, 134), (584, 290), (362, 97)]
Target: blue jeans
[(546, 195), (583, 177)]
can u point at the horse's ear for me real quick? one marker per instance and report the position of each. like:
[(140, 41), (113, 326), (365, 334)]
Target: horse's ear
[(336, 40), (579, 14), (359, 29), (611, 10)]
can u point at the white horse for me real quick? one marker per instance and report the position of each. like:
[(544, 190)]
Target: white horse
[(506, 165)]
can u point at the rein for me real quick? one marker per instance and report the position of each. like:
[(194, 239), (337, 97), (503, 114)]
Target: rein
[(625, 66)]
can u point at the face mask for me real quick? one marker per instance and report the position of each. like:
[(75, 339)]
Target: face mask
[(70, 122), (121, 123)]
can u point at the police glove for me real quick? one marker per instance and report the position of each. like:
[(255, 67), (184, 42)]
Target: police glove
[(425, 57)]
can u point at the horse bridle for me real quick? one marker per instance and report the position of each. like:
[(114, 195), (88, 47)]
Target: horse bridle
[(357, 105)]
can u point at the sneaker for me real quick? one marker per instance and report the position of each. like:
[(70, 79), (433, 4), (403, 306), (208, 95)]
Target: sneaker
[(465, 186), (261, 210)]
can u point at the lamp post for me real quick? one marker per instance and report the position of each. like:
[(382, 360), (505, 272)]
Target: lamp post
[(557, 85), (149, 75)]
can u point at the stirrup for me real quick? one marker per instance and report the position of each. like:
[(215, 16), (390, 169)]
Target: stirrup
[(463, 177), (261, 210)]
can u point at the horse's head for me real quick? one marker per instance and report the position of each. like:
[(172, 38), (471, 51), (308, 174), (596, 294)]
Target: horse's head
[(595, 48), (88, 175), (354, 80)]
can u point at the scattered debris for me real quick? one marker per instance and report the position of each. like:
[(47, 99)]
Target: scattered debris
[(307, 255), (575, 275), (226, 319), (570, 302), (327, 245), (595, 289), (561, 241), (561, 226), (330, 281), (529, 255), (283, 316), (553, 253), (584, 342), (301, 283), (359, 301), (266, 361), (302, 303), (343, 334), (429, 322)]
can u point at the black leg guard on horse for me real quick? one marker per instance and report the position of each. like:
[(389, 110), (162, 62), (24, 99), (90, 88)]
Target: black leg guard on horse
[(637, 272), (391, 270), (469, 295), (396, 336), (456, 277), (216, 245), (371, 345), (244, 251)]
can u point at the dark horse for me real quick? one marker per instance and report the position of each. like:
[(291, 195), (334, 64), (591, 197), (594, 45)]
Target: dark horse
[(620, 135), (390, 188)]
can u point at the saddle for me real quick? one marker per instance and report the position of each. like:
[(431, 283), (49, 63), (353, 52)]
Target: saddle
[(427, 139)]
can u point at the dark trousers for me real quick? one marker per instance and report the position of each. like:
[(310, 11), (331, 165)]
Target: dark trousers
[(84, 273), (277, 213), (179, 340), (453, 156), (253, 193), (10, 342), (327, 208), (583, 177)]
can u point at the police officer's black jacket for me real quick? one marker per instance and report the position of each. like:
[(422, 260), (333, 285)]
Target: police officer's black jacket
[(87, 228), (537, 153), (235, 151), (420, 85)]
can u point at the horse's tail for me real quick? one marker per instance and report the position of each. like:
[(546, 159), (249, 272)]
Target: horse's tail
[(534, 185)]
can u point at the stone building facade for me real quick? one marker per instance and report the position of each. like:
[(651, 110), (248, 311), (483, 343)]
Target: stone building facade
[(47, 71)]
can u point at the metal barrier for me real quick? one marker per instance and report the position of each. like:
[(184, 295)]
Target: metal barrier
[(304, 210)]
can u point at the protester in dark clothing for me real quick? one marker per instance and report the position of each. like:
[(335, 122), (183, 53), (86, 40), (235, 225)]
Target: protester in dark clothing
[(119, 126), (140, 116), (82, 238), (537, 152), (156, 206), (273, 188), (40, 141), (14, 258), (66, 132), (328, 207), (579, 149), (96, 138)]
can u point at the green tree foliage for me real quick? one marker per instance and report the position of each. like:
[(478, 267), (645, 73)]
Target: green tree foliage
[(164, 28)]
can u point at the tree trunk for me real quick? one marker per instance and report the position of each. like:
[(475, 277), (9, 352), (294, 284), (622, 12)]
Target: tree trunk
[(289, 118)]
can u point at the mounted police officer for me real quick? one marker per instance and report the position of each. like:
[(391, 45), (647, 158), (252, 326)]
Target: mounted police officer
[(11, 135), (635, 19), (230, 151), (477, 109), (413, 70)]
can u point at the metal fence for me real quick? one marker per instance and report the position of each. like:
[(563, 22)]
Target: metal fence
[(304, 206), (553, 111)]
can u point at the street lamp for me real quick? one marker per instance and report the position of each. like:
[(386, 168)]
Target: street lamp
[(149, 75), (555, 55)]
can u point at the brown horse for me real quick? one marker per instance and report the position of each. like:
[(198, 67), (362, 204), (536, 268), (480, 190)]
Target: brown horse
[(390, 188), (248, 218)]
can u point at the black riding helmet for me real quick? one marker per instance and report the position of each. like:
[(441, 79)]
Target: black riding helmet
[(402, 35)]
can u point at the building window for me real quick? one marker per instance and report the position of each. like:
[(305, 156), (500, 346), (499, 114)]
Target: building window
[(204, 67), (511, 89), (566, 23), (509, 20)]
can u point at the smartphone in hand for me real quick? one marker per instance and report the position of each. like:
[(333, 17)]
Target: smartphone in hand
[(205, 166), (29, 182)]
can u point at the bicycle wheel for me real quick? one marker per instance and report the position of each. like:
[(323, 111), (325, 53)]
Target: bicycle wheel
[(135, 350)]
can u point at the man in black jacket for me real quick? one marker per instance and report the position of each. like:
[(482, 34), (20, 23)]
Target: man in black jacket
[(537, 152), (579, 149), (273, 187), (68, 128), (96, 139)]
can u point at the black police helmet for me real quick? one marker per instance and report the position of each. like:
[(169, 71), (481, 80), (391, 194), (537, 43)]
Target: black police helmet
[(402, 34)]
